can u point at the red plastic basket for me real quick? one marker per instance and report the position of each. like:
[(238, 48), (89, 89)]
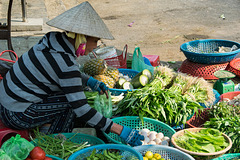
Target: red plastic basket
[(119, 61), (198, 120), (201, 70), (229, 95), (234, 66)]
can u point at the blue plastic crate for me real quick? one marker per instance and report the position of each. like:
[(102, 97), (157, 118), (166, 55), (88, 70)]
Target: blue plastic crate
[(202, 51)]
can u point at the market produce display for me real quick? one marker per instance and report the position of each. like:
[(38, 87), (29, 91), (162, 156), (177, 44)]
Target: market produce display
[(171, 104)]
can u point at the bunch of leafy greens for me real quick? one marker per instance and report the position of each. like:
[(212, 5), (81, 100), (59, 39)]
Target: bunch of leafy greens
[(226, 118), (205, 141), (156, 103)]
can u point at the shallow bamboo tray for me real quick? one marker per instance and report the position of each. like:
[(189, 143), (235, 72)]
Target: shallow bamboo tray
[(196, 155)]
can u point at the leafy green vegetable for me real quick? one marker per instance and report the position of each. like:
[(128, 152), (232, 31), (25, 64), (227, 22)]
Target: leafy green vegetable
[(205, 141), (226, 118)]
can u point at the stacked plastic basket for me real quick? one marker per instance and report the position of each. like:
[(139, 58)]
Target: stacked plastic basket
[(204, 57)]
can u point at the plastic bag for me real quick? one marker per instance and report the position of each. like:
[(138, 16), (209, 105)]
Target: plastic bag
[(103, 105), (138, 63), (4, 156), (17, 148)]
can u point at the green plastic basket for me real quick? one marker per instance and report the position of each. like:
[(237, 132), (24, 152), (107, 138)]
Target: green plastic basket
[(134, 122), (76, 138), (228, 156)]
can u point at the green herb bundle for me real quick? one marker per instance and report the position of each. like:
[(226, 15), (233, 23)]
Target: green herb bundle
[(165, 75), (205, 141), (200, 91), (226, 118), (180, 83)]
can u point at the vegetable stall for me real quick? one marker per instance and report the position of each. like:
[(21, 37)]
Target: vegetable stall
[(181, 116)]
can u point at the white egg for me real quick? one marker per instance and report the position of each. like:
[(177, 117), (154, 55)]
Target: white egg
[(146, 140), (152, 132), (160, 135), (152, 136), (165, 143), (152, 142), (158, 141), (145, 130), (166, 139)]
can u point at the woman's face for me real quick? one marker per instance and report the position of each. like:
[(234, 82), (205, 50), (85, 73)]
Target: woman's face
[(91, 44)]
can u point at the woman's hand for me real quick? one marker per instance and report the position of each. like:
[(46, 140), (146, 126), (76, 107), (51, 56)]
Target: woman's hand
[(96, 85), (130, 136)]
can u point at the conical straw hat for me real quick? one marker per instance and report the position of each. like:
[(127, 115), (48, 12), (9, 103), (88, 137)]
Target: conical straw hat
[(82, 19)]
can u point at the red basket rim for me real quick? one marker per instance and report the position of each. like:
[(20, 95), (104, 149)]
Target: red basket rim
[(234, 61)]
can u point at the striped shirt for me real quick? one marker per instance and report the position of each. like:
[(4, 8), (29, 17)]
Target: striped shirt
[(47, 68)]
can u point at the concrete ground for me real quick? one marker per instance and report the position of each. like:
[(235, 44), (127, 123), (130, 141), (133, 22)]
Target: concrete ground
[(159, 26)]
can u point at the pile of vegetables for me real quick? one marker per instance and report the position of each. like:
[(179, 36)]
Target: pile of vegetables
[(58, 145), (152, 102), (170, 97), (105, 154), (205, 141), (226, 118)]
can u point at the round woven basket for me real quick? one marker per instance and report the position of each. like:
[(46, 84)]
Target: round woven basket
[(201, 70), (198, 156), (234, 66), (206, 51)]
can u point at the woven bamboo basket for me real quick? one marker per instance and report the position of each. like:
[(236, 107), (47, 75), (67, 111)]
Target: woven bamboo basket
[(198, 156)]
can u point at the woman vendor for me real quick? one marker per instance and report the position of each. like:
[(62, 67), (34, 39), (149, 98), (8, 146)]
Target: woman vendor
[(50, 67)]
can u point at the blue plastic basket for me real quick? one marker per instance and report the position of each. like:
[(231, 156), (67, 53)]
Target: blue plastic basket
[(54, 157), (166, 152), (228, 156), (135, 123), (202, 51), (126, 151), (129, 72)]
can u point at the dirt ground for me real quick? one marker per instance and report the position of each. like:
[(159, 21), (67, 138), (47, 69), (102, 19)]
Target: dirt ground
[(158, 27)]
